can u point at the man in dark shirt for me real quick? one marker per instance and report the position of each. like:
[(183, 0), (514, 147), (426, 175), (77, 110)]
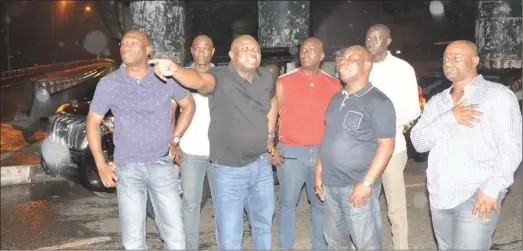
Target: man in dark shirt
[(356, 147), (141, 105), (243, 109)]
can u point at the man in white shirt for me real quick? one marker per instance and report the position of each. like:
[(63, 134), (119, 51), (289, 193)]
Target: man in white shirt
[(194, 146), (473, 132), (397, 79)]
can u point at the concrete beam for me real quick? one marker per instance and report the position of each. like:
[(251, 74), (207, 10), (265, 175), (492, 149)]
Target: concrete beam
[(282, 23), (498, 33), (164, 23)]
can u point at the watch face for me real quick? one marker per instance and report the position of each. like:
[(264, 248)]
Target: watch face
[(366, 183)]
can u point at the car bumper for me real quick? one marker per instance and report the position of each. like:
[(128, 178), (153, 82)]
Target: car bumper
[(79, 167)]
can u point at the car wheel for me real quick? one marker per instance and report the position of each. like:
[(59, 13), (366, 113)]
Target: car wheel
[(105, 195), (206, 193)]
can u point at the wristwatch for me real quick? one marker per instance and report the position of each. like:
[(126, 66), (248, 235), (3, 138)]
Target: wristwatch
[(367, 183), (176, 140), (271, 135)]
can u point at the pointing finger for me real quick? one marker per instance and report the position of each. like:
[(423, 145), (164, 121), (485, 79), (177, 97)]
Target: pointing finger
[(153, 61)]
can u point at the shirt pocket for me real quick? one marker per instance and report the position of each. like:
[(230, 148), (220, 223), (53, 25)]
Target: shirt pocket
[(352, 120)]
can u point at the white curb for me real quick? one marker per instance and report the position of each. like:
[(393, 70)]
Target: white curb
[(24, 174)]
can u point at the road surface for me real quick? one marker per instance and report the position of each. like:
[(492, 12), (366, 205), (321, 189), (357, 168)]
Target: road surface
[(66, 216)]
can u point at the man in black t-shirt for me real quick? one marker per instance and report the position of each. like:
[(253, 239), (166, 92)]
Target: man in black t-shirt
[(243, 109)]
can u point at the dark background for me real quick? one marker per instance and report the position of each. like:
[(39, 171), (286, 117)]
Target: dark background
[(337, 23)]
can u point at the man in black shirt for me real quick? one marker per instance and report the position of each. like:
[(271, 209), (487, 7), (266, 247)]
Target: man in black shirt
[(243, 109)]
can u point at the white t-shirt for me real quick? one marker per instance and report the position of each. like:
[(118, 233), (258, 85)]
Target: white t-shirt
[(195, 140), (397, 79)]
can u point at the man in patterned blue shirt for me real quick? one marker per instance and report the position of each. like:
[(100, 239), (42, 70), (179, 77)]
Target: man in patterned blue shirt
[(141, 105)]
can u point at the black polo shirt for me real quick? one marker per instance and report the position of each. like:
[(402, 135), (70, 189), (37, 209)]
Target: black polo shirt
[(354, 122), (239, 126)]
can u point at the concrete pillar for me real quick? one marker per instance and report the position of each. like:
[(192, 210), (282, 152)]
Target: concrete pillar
[(164, 23), (498, 33), (282, 23)]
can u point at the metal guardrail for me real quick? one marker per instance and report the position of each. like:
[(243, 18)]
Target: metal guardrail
[(6, 75), (59, 84)]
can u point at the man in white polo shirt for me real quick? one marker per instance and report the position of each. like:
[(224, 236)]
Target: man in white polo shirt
[(397, 79), (194, 146)]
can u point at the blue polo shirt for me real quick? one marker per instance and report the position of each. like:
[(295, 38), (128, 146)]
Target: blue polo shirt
[(354, 123), (142, 112)]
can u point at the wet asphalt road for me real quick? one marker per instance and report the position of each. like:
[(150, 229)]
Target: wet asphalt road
[(42, 215), (61, 213)]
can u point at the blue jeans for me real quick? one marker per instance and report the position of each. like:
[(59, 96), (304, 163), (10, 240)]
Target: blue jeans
[(344, 224), (249, 188), (457, 228), (159, 179), (194, 168), (298, 169)]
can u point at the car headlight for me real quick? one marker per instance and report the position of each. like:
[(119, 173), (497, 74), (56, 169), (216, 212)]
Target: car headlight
[(108, 125), (84, 143)]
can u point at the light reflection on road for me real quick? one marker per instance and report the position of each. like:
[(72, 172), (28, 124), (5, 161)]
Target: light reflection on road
[(32, 213), (12, 139)]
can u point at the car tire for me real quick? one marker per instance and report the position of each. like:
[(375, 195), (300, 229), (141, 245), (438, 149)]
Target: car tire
[(206, 192), (105, 195)]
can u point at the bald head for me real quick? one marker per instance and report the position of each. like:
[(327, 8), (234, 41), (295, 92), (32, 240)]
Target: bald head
[(384, 29), (365, 55), (465, 45), (135, 48), (377, 41), (311, 54), (356, 65), (202, 38), (202, 50), (245, 54), (460, 61), (139, 35), (314, 42), (243, 39)]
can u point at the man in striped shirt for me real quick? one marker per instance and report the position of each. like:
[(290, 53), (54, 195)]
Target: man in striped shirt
[(473, 133)]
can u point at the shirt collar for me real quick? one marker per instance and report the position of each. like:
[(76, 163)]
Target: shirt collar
[(125, 74), (387, 59), (230, 66), (361, 91), (476, 82), (192, 65)]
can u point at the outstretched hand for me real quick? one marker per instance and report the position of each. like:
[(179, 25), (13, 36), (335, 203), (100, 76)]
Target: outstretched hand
[(164, 67)]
